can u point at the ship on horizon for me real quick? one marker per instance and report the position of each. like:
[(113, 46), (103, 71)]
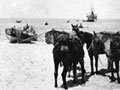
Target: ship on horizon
[(91, 17)]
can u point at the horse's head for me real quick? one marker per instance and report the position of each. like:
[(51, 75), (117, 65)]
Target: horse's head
[(75, 31), (98, 42), (49, 37), (75, 28), (53, 36)]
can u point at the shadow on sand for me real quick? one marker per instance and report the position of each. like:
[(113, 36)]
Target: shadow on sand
[(70, 83), (102, 72)]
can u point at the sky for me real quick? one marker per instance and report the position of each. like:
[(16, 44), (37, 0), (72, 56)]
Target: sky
[(105, 9)]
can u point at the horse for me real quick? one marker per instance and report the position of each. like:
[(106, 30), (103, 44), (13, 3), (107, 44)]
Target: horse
[(57, 34), (67, 50), (48, 39), (111, 47), (87, 37)]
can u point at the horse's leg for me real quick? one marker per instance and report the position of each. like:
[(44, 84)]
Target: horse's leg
[(112, 72), (56, 64), (109, 66), (96, 63), (91, 63), (83, 70), (117, 70), (74, 73), (70, 67), (65, 69)]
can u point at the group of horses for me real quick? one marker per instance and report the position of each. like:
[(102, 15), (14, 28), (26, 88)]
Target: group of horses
[(68, 50)]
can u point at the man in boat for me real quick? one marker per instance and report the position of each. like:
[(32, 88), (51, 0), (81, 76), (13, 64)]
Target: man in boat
[(26, 29), (13, 29), (32, 30)]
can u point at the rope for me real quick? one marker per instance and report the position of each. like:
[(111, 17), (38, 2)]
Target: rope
[(90, 45), (40, 38), (32, 37), (26, 39)]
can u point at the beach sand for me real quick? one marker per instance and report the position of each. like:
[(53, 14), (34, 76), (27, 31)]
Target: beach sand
[(31, 67)]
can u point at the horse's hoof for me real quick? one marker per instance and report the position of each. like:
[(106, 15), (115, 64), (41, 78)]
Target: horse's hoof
[(97, 72), (74, 81), (92, 73), (68, 76), (56, 86), (109, 70), (112, 80), (65, 87), (118, 81), (83, 82)]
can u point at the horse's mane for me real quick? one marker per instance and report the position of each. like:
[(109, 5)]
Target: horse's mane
[(87, 33), (60, 32), (106, 33)]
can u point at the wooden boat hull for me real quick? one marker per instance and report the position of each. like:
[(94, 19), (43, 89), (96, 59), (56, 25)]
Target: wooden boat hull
[(13, 40), (88, 20), (17, 40)]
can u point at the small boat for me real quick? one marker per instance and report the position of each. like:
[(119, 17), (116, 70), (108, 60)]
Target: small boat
[(46, 23), (68, 21), (19, 36), (18, 21)]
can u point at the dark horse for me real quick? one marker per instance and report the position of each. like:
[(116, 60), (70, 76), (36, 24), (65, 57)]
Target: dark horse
[(67, 50), (111, 47), (87, 37), (49, 40)]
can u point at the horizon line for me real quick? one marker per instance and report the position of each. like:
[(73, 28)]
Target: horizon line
[(56, 18)]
